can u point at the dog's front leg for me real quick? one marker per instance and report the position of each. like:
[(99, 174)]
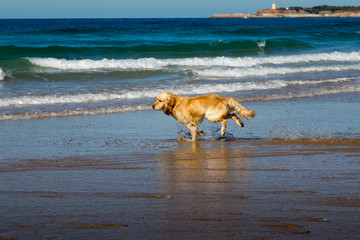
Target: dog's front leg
[(194, 130)]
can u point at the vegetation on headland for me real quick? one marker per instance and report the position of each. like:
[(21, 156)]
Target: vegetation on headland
[(317, 9)]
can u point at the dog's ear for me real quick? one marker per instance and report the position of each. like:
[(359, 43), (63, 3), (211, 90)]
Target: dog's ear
[(170, 103)]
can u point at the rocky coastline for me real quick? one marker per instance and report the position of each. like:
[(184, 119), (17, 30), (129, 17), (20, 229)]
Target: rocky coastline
[(279, 13)]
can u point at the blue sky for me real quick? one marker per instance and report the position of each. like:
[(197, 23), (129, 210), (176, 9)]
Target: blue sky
[(144, 8)]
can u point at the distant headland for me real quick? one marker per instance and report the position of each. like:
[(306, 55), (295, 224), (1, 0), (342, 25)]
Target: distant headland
[(298, 12)]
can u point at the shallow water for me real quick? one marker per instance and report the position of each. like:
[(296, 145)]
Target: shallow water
[(118, 176)]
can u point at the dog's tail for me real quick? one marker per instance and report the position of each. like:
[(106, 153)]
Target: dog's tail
[(240, 109)]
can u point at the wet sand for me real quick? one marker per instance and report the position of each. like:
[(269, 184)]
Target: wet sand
[(289, 174)]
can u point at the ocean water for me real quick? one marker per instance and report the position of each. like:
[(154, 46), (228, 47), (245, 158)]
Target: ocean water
[(73, 67)]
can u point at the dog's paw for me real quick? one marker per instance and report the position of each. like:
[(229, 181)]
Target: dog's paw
[(226, 137)]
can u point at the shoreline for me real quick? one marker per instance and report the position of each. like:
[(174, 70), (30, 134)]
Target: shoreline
[(125, 175)]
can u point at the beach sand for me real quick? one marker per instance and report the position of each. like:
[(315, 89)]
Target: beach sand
[(291, 173)]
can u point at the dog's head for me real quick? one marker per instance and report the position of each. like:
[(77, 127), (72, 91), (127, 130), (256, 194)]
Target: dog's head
[(166, 102)]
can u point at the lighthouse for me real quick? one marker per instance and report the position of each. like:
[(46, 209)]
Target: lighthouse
[(273, 6)]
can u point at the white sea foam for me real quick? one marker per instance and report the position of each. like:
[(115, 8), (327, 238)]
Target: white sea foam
[(265, 71), (154, 92), (159, 64), (261, 44), (72, 113), (88, 64), (2, 75), (143, 107), (306, 94)]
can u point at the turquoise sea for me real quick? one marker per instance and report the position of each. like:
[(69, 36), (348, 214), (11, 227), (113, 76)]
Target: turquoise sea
[(72, 67)]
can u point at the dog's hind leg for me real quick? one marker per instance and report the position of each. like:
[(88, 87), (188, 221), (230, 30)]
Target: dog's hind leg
[(224, 122), (236, 119), (223, 127)]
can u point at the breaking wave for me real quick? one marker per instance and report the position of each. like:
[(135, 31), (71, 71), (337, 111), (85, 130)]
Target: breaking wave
[(158, 64), (2, 75), (144, 107), (154, 92)]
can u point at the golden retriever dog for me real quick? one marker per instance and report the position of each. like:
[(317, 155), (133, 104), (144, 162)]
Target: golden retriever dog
[(191, 111)]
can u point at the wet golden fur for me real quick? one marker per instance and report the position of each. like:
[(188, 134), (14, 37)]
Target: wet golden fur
[(191, 111)]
